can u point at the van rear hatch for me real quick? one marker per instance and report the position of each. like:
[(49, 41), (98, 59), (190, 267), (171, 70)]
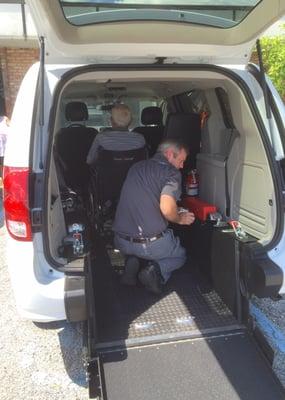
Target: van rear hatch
[(199, 31)]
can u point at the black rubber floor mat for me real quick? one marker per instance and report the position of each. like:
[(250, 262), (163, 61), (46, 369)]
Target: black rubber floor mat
[(125, 313), (220, 368)]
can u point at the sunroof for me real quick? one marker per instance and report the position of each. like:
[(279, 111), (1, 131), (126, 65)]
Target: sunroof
[(219, 13)]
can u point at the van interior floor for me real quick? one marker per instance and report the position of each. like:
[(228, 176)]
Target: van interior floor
[(189, 307)]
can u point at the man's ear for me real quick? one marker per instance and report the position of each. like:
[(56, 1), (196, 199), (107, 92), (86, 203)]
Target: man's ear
[(170, 154), (167, 153)]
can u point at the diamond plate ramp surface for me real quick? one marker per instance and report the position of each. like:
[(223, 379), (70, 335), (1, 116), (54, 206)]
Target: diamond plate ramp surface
[(126, 313), (221, 368)]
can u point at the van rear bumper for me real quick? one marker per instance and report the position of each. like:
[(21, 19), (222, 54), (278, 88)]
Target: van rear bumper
[(38, 289), (40, 305)]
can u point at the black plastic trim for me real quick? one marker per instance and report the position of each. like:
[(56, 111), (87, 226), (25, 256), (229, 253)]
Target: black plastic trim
[(36, 199), (32, 180), (227, 116), (74, 298), (33, 126), (265, 347), (259, 274), (275, 171)]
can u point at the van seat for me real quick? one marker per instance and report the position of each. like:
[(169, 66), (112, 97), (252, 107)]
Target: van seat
[(73, 143), (217, 170), (212, 179), (185, 127), (152, 130)]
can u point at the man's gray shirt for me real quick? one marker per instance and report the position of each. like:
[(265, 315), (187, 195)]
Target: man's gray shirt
[(115, 140), (138, 212)]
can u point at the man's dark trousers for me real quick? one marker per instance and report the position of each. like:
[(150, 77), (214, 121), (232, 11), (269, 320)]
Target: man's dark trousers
[(166, 251)]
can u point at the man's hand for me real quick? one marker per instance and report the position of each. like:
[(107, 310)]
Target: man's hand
[(169, 210), (186, 218)]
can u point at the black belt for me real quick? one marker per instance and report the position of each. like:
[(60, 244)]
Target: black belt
[(140, 239)]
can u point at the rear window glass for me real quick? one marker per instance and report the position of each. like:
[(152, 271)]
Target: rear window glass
[(99, 114), (219, 13)]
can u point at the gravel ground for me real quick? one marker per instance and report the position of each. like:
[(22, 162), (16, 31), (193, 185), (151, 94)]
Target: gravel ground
[(44, 361), (37, 361), (274, 311)]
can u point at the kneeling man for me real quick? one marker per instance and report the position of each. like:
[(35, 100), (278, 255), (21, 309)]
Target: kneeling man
[(147, 203)]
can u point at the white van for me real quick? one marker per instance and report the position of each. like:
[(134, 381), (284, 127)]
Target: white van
[(188, 63)]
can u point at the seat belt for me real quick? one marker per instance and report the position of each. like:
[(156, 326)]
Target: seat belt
[(60, 166), (233, 136)]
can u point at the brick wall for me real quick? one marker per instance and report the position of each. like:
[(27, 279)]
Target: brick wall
[(14, 63)]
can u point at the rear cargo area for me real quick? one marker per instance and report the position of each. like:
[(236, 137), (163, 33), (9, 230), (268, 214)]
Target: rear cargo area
[(188, 307)]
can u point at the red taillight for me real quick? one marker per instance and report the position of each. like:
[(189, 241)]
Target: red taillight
[(16, 202)]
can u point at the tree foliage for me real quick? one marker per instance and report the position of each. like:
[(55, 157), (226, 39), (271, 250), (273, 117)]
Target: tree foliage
[(273, 54)]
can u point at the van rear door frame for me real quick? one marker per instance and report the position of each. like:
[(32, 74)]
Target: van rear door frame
[(275, 169)]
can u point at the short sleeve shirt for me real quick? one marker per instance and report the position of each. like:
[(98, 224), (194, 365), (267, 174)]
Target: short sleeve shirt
[(115, 140), (138, 212)]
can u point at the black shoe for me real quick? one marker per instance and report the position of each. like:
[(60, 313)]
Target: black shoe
[(132, 266), (151, 278)]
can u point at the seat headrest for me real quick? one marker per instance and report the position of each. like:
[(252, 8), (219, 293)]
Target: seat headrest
[(76, 111), (181, 125), (151, 116)]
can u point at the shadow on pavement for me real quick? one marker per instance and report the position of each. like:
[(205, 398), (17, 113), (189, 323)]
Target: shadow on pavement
[(70, 339)]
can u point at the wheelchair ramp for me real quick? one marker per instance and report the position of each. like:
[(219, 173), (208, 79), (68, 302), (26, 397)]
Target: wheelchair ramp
[(217, 368), (134, 316)]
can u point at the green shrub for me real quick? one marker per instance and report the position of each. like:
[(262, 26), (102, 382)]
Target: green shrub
[(273, 54)]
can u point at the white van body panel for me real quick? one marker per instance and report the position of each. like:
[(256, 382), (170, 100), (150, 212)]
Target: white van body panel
[(17, 151), (67, 43), (272, 129), (38, 289), (53, 76), (277, 255)]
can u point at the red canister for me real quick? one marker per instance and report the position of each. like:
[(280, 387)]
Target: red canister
[(192, 184)]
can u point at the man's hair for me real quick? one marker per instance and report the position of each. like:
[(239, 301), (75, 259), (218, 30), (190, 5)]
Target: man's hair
[(175, 144), (121, 116)]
